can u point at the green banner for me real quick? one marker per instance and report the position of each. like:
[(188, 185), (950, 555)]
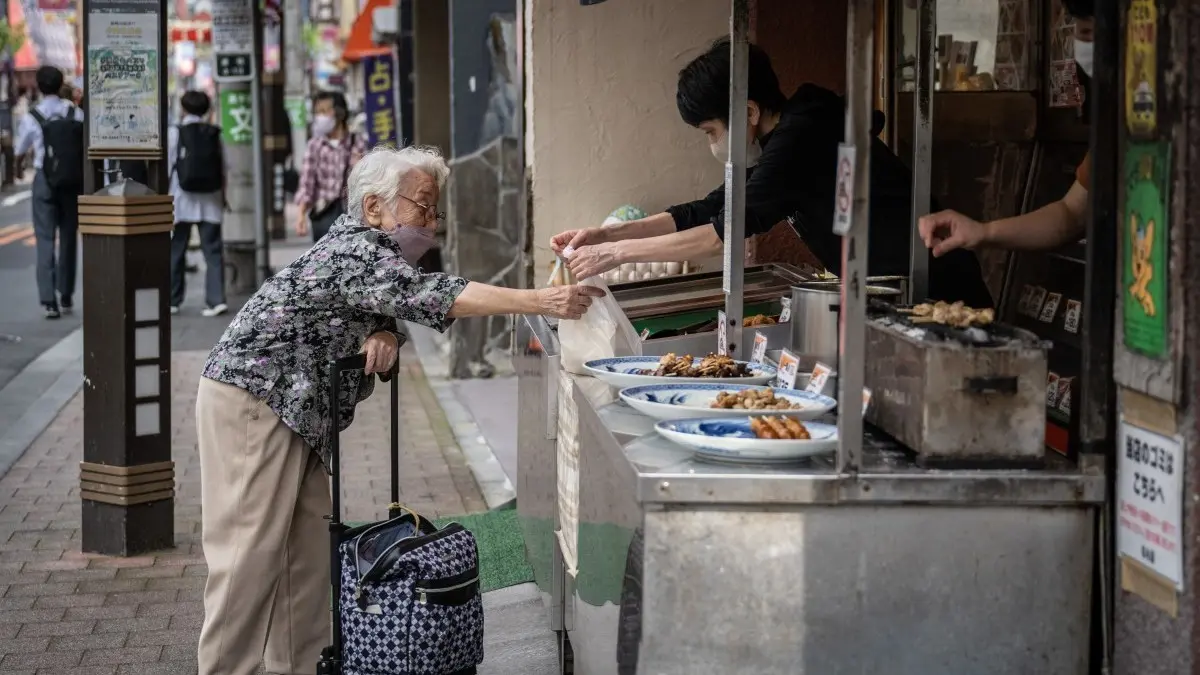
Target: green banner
[(297, 111), (1144, 252), (236, 125)]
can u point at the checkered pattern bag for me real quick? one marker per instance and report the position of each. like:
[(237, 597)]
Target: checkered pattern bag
[(409, 599)]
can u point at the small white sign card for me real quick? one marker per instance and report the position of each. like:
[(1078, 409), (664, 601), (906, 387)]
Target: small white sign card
[(760, 348), (788, 365), (722, 334), (820, 376)]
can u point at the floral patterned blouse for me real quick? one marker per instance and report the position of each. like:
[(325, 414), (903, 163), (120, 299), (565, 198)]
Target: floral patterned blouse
[(323, 306)]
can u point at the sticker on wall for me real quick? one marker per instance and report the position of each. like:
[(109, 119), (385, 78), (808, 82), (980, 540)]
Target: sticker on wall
[(1144, 251), (1141, 70)]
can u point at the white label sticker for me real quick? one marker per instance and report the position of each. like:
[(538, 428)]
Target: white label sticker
[(788, 366), (1150, 500), (760, 348), (1073, 315), (844, 197), (785, 310), (1050, 309), (820, 375), (722, 333)]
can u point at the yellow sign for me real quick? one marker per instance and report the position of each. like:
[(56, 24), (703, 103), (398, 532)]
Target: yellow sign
[(1141, 70)]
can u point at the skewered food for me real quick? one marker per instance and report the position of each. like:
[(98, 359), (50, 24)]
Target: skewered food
[(752, 399), (779, 428), (956, 314), (758, 320), (712, 365)]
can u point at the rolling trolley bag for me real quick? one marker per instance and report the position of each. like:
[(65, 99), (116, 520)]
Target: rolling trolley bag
[(405, 594)]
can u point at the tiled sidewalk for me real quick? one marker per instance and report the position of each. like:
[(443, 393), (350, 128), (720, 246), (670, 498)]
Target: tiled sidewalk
[(63, 612)]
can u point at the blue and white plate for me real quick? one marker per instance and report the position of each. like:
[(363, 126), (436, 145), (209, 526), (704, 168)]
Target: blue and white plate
[(624, 371), (731, 439), (693, 401)]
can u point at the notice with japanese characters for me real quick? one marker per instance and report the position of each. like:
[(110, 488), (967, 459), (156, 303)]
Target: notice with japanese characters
[(122, 87), (379, 102), (1150, 500)]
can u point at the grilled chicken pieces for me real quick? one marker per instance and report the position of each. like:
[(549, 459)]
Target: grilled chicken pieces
[(752, 399), (779, 428), (712, 365), (957, 314)]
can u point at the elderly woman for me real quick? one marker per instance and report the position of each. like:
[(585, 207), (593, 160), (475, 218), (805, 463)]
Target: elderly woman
[(262, 413)]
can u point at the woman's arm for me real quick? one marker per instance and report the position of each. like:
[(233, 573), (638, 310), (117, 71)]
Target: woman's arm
[(478, 299), (308, 179)]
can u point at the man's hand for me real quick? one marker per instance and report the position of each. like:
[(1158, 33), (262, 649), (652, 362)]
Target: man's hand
[(381, 349), (575, 238), (596, 259), (948, 230), (566, 302), (302, 225)]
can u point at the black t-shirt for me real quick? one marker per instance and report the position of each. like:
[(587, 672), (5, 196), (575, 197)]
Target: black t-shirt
[(795, 179)]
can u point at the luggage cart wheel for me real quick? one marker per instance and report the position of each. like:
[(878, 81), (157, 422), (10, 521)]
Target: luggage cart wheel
[(329, 664)]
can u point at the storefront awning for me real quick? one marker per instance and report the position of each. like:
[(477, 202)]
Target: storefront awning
[(361, 44)]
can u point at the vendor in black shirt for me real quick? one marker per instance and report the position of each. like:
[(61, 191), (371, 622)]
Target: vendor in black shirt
[(792, 160)]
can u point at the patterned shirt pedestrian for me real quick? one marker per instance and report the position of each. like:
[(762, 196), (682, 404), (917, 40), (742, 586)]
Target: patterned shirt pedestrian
[(326, 165), (323, 306)]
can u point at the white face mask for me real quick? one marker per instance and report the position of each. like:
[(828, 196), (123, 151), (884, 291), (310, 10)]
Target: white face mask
[(323, 125), (1084, 56), (720, 150)]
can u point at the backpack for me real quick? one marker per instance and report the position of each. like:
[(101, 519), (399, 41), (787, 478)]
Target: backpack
[(200, 163), (62, 164)]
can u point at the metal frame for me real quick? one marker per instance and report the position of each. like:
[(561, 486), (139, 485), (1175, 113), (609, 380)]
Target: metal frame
[(735, 174), (918, 286)]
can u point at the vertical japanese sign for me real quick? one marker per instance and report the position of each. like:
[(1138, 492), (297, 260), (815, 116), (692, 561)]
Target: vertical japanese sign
[(379, 102), (233, 40), (1146, 232), (1150, 500), (123, 76), (1141, 70), (236, 125)]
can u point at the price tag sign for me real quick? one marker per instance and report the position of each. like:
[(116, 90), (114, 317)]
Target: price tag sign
[(1150, 500), (760, 348), (818, 379), (1050, 309), (788, 365), (722, 334), (785, 310)]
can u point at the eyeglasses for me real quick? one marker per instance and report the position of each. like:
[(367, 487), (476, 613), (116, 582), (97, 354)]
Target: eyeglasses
[(437, 215)]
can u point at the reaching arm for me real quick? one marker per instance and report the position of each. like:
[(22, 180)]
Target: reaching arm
[(478, 299), (691, 244), (643, 228), (1056, 224)]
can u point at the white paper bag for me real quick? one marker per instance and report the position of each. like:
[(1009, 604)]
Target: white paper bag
[(602, 333)]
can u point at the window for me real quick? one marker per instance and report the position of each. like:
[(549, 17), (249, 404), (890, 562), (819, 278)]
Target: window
[(982, 45)]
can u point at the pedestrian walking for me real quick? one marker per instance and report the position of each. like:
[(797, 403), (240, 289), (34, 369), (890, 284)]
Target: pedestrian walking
[(330, 155), (53, 129), (197, 161)]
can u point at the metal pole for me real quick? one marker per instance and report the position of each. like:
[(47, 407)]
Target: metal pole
[(262, 263), (860, 26), (735, 175), (918, 281)]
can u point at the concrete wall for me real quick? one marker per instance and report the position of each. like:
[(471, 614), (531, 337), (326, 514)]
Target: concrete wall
[(602, 129)]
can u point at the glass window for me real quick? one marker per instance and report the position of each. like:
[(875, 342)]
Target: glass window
[(982, 45)]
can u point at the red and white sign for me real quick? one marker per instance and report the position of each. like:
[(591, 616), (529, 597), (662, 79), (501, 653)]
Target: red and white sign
[(844, 196), (1150, 500), (788, 366), (760, 348)]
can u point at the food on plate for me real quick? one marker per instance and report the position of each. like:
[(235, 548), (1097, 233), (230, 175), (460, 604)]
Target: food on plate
[(779, 428), (956, 314), (758, 320), (752, 399), (712, 365)]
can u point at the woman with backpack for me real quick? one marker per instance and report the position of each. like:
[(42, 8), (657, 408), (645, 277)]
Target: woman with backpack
[(330, 155)]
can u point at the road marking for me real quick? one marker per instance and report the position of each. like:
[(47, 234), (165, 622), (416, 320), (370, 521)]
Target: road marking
[(25, 232), (13, 200)]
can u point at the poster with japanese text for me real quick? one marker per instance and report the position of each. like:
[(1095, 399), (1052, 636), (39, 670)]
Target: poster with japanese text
[(1145, 234), (379, 99), (123, 66)]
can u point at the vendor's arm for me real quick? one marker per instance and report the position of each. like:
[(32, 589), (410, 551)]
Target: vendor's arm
[(1056, 224), (651, 226), (692, 244)]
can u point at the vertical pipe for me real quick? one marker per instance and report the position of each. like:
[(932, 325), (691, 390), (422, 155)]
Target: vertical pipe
[(860, 26), (261, 266), (735, 175), (918, 283)]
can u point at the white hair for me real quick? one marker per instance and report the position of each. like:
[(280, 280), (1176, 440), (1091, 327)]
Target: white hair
[(381, 173)]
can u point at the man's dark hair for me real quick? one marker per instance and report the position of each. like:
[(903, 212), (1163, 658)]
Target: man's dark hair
[(703, 91), (341, 109), (49, 80), (195, 103), (1080, 9)]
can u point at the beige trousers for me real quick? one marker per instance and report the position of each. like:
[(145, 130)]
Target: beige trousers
[(264, 496)]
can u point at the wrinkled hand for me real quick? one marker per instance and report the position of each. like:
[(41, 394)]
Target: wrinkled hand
[(948, 230), (567, 302), (576, 238), (381, 349), (590, 261), (302, 225)]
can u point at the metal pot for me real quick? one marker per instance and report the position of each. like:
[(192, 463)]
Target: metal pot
[(815, 309)]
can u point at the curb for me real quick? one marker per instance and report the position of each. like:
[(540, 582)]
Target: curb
[(493, 483), (40, 391)]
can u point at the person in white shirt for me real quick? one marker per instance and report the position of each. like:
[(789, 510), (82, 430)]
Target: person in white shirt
[(56, 186), (196, 160)]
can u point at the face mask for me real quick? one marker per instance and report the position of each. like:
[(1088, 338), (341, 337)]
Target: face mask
[(720, 150), (1084, 56), (323, 125), (414, 242)]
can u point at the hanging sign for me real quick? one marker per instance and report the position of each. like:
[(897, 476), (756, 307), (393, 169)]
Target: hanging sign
[(722, 334), (1146, 232), (844, 195), (1150, 500), (233, 40), (379, 102), (1141, 69), (236, 126), (759, 353)]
